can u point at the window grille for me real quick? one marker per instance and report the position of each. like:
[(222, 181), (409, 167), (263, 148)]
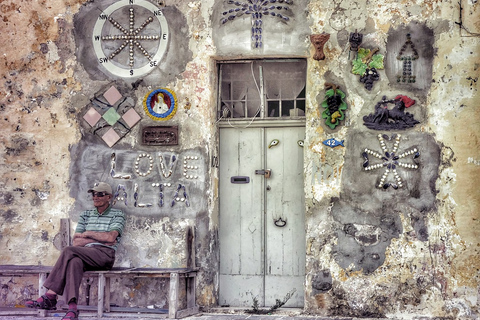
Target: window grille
[(262, 89)]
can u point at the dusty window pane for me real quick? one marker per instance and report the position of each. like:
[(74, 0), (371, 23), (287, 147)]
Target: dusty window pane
[(286, 107), (301, 107), (281, 84), (273, 108), (238, 90)]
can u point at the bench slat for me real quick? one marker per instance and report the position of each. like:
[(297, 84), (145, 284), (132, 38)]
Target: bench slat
[(104, 283)]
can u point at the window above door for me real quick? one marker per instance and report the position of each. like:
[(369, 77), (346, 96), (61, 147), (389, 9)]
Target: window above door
[(261, 90)]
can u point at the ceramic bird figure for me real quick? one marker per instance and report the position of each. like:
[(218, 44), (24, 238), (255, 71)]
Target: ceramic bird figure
[(273, 143)]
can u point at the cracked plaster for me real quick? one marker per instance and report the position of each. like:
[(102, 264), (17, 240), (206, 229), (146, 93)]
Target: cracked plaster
[(44, 85)]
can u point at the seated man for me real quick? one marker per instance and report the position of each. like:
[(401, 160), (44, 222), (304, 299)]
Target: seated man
[(94, 243)]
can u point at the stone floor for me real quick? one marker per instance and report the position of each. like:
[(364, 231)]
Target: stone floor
[(220, 314)]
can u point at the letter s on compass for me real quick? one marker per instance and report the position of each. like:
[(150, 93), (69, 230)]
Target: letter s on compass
[(130, 38)]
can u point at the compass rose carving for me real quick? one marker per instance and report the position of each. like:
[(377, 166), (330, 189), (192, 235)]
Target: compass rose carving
[(125, 49)]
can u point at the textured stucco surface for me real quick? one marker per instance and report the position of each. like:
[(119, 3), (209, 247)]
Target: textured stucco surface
[(425, 261)]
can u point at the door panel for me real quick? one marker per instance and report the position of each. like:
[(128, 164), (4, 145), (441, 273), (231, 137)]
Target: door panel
[(257, 258), (285, 246), (241, 225)]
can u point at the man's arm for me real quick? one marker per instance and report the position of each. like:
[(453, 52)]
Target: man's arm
[(80, 241), (108, 238)]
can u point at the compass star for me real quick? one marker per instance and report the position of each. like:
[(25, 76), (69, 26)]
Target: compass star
[(131, 37), (390, 161)]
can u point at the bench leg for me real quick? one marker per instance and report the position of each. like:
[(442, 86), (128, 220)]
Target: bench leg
[(190, 291), (101, 294), (173, 296), (41, 280), (107, 294)]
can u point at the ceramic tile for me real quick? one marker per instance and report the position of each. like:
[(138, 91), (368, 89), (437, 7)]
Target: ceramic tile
[(111, 137), (92, 116), (111, 116), (131, 117), (112, 95)]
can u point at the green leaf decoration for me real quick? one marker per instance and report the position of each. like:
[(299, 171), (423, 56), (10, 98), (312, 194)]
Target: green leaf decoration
[(324, 104), (342, 106), (333, 120), (328, 119), (358, 67), (377, 62), (362, 53), (330, 93)]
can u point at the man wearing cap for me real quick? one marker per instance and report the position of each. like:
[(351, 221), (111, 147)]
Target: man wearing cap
[(94, 244)]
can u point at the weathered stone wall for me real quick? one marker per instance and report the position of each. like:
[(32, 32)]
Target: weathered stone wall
[(371, 251), (427, 259)]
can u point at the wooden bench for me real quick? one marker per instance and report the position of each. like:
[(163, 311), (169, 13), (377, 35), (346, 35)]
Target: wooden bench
[(103, 305)]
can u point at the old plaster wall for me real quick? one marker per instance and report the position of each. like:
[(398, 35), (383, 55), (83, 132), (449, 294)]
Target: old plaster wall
[(411, 252), (363, 254)]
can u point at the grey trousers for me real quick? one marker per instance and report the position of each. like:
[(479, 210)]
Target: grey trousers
[(67, 274)]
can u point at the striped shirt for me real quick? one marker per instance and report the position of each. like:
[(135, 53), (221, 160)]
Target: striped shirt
[(110, 220)]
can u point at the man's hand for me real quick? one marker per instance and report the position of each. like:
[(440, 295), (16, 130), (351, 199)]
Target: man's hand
[(106, 238)]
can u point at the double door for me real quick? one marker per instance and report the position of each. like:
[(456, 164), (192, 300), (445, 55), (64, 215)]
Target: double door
[(262, 211)]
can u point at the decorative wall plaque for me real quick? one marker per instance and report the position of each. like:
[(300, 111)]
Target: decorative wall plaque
[(334, 105), (110, 116), (257, 9), (407, 55), (160, 104), (160, 136), (128, 46), (390, 160), (355, 40), (391, 119), (366, 65), (318, 41)]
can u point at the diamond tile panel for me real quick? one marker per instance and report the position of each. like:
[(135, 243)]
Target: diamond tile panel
[(111, 116), (131, 117), (112, 95), (92, 116), (111, 137)]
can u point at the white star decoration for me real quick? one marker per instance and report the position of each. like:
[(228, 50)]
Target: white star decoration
[(390, 161), (130, 37)]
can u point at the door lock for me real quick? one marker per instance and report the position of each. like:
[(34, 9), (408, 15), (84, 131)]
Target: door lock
[(265, 172)]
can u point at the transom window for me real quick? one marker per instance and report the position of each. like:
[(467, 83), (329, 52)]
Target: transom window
[(262, 89)]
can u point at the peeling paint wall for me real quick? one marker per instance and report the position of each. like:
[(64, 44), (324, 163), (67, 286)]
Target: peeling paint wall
[(411, 252)]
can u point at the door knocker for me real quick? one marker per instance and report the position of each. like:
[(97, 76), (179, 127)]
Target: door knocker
[(280, 222)]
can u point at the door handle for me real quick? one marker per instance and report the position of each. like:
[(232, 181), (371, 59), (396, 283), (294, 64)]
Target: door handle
[(280, 222), (239, 179), (267, 173)]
